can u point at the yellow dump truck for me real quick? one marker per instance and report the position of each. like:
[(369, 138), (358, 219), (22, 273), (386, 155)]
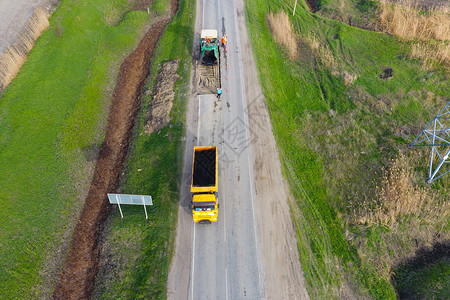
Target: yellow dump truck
[(204, 184)]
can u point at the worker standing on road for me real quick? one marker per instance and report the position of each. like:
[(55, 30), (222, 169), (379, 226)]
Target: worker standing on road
[(224, 40), (219, 93)]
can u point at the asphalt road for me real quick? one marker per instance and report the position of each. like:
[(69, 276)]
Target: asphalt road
[(251, 251), (225, 262), (226, 259)]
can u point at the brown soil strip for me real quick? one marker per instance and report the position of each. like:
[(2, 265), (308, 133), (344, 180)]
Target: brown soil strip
[(77, 277), (158, 114), (207, 78)]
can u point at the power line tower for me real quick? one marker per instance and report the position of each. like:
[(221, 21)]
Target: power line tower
[(437, 136)]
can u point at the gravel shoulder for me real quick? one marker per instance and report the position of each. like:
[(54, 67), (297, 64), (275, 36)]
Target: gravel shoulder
[(283, 273)]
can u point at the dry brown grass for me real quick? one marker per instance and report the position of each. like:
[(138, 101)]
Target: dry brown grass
[(388, 213), (398, 197), (432, 53), (414, 217), (407, 20), (283, 33), (322, 51), (15, 56)]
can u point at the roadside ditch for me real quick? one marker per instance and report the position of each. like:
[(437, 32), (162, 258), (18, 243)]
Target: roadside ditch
[(76, 280)]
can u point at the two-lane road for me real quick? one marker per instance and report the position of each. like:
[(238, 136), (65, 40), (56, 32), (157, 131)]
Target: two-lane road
[(226, 255), (226, 259)]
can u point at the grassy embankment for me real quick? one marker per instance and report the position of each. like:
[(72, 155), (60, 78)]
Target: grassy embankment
[(52, 118), (139, 252), (361, 203)]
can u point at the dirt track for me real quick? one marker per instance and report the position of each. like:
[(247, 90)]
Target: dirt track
[(76, 280)]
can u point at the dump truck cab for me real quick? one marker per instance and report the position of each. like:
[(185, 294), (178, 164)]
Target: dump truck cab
[(209, 47), (204, 208), (204, 184)]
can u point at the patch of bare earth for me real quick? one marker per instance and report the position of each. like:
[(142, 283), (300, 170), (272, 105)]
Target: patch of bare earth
[(158, 114), (207, 78), (77, 277)]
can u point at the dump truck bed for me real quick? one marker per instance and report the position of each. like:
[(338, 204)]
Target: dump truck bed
[(209, 57), (204, 170)]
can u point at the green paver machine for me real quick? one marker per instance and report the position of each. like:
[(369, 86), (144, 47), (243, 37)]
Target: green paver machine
[(209, 47)]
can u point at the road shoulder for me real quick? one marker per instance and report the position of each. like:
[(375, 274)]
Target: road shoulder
[(283, 273)]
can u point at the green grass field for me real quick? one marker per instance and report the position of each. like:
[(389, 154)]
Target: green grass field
[(139, 252), (52, 121), (343, 134)]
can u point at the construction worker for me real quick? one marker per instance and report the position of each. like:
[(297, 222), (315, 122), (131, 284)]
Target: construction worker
[(219, 93), (224, 40)]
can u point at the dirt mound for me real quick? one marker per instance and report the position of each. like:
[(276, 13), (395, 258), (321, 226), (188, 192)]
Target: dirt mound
[(158, 114), (76, 280)]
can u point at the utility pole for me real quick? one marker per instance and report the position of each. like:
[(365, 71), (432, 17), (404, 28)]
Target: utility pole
[(295, 6)]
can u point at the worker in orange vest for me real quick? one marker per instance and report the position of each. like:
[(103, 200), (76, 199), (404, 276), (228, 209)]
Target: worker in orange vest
[(224, 40)]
